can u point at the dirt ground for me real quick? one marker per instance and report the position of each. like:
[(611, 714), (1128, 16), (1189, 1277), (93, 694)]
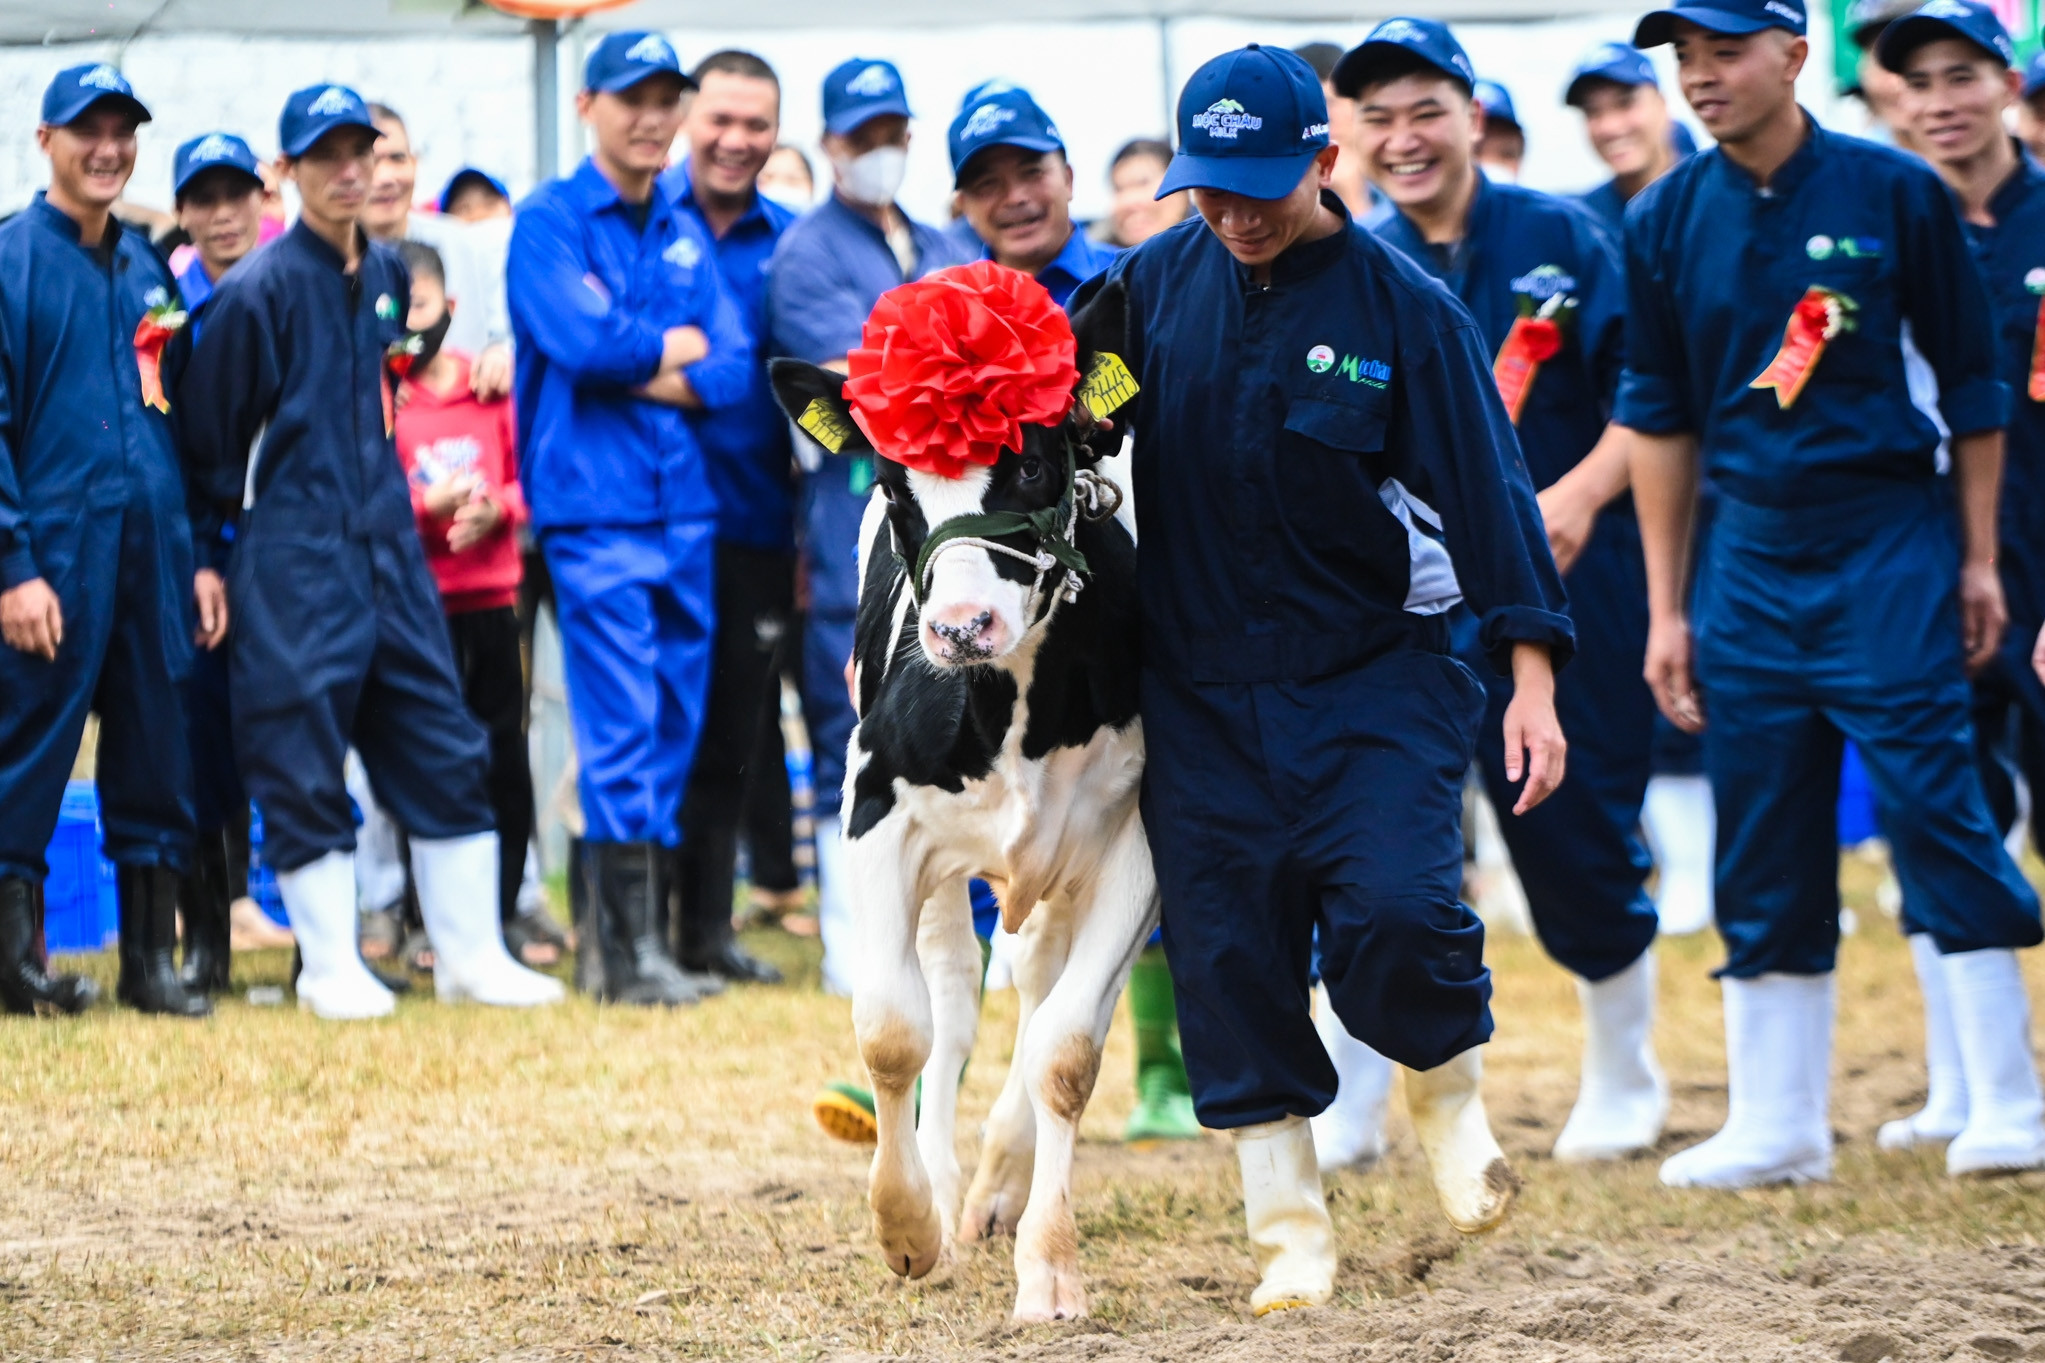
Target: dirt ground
[(609, 1185)]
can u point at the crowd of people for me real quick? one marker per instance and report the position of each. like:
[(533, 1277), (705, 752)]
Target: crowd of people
[(294, 492)]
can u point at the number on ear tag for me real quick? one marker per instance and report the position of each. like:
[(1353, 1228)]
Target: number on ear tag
[(826, 425), (1109, 385)]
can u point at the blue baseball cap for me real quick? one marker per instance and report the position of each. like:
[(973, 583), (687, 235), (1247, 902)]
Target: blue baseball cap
[(1614, 63), (859, 90), (317, 110), (1496, 101), (1721, 16), (1250, 123), (1006, 118), (212, 151), (2034, 74), (1968, 20), (77, 88), (624, 59), (463, 177), (1397, 42)]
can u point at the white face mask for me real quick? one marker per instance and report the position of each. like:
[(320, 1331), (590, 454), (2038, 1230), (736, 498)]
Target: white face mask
[(873, 178), (788, 196)]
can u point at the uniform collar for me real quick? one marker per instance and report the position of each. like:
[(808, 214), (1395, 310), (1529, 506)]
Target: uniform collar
[(1076, 259), (599, 195), (1791, 174), (323, 250), (1300, 261), (66, 226), (195, 286), (683, 195), (2012, 192)]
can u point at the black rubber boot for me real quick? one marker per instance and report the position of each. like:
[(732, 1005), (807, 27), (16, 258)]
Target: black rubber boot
[(203, 898), (25, 985), (703, 874), (625, 893), (149, 939), (583, 903)]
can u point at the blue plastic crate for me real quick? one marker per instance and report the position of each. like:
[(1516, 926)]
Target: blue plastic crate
[(1857, 821), (262, 877), (81, 911)]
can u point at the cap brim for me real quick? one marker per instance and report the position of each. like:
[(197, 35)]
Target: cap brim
[(1358, 64), (303, 145), (1573, 96), (627, 80), (1253, 177), (1039, 145), (114, 97), (1659, 28), (196, 171), (1904, 36), (849, 119)]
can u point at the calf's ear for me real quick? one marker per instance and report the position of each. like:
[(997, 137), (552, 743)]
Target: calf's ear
[(1106, 388), (814, 399)]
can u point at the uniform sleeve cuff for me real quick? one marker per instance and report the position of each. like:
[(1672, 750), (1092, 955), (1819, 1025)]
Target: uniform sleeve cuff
[(1509, 625), (1652, 404), (1974, 406), (18, 565)]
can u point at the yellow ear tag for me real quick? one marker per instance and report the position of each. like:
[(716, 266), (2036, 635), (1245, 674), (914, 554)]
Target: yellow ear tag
[(826, 425), (1109, 385)]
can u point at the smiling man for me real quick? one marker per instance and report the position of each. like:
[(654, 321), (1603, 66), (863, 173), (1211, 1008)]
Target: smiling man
[(1008, 165), (1628, 123), (1773, 281)]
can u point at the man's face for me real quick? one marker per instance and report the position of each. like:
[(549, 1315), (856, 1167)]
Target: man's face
[(1417, 135), (221, 210), (1500, 149), (1628, 125), (334, 174), (477, 202), (1258, 231), (1736, 83), (1953, 99), (429, 302), (635, 127), (885, 130), (92, 156), (732, 125), (391, 184), (1136, 214), (1019, 201)]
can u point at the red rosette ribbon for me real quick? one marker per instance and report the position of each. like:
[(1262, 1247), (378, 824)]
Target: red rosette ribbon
[(1531, 343), (1819, 316), (950, 368), (151, 336)]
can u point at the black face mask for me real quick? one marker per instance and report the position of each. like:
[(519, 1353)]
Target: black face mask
[(430, 339)]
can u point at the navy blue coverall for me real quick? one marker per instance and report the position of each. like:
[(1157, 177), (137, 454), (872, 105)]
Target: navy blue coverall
[(1578, 853), (1323, 469), (92, 501), (336, 632), (1827, 603)]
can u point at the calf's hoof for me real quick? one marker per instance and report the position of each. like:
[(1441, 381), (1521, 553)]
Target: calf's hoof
[(1046, 1292), (1474, 1206), (911, 1246)]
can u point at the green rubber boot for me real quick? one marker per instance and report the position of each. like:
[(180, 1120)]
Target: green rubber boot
[(1164, 1100)]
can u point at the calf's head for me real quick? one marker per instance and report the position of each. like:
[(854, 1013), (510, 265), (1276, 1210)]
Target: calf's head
[(969, 390)]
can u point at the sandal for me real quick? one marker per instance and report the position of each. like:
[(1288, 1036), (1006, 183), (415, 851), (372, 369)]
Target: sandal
[(536, 939)]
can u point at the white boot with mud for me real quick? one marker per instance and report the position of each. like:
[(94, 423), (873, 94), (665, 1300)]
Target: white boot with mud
[(1475, 1184), (1291, 1236), (1778, 1042), (2005, 1128), (1945, 1100), (332, 983), (1622, 1099), (1681, 823), (1350, 1133), (458, 899)]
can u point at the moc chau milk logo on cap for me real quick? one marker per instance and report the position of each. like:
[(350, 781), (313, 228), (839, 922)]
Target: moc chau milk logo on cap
[(1321, 359), (1789, 12), (103, 78), (986, 119), (874, 80), (212, 147), (651, 48), (332, 100), (1225, 118)]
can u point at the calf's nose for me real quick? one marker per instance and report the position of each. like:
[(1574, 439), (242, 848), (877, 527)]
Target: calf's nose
[(964, 634)]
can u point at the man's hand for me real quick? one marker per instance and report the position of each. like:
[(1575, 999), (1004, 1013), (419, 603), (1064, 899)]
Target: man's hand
[(1533, 735), (450, 494), (681, 347), (31, 620), (490, 374), (670, 389), (1669, 674), (1570, 517), (1983, 616), (475, 520), (209, 594)]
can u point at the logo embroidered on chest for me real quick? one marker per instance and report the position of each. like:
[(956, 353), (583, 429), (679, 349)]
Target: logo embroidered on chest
[(386, 307), (1370, 373), (683, 253), (2034, 279), (1544, 282), (1822, 247)]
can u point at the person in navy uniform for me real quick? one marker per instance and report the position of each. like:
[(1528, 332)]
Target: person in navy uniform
[(1771, 281), (1629, 125), (1502, 142), (1542, 278), (1955, 59), (338, 638), (623, 325), (1323, 471), (97, 579)]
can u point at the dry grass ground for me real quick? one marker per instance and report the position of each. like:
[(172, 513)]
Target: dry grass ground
[(600, 1184)]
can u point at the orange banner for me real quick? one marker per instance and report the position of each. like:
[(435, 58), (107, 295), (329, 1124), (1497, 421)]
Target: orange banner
[(151, 337), (1531, 343), (1819, 316)]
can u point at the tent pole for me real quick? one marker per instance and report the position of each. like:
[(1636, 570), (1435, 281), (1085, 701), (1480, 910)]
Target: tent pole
[(546, 99), (1164, 69)]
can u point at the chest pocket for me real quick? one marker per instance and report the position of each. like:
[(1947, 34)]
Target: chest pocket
[(1331, 462)]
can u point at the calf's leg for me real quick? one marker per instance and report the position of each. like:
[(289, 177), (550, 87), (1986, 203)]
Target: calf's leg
[(950, 956), (1001, 1185)]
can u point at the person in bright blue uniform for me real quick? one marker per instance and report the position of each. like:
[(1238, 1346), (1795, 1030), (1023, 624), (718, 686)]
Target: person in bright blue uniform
[(1771, 281), (97, 575), (1955, 60), (623, 325), (1015, 186), (1323, 472), (339, 639), (733, 120), (825, 276), (1514, 257)]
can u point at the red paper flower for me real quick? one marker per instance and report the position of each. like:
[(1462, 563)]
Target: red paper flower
[(1813, 311), (1543, 339), (952, 367)]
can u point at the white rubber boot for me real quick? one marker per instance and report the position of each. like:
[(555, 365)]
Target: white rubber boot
[(1778, 1041), (457, 880), (1291, 1236), (1681, 823), (1622, 1099), (834, 911), (1350, 1133), (2005, 1111), (1475, 1184), (1945, 1099), (333, 982)]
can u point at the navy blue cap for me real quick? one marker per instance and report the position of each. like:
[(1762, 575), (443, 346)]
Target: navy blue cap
[(622, 60), (1401, 40), (1250, 123), (462, 176), (1615, 63), (77, 88), (1968, 20), (2034, 74), (859, 90), (1721, 16), (1005, 118), (1496, 101), (212, 151), (317, 110), (1681, 139)]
